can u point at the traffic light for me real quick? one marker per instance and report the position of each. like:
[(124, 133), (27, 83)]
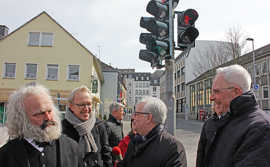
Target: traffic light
[(157, 42), (187, 33)]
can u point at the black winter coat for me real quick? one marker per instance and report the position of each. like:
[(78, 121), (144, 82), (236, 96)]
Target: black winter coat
[(240, 139), (159, 149), (115, 131), (103, 156), (14, 153)]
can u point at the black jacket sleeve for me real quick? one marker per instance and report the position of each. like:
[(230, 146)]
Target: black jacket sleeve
[(105, 147), (201, 149)]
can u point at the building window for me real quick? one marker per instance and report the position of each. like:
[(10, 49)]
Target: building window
[(265, 92), (183, 71), (33, 38), (31, 71), (182, 86), (193, 97), (52, 71), (178, 88), (40, 39), (10, 70), (178, 73), (46, 39), (73, 72), (154, 89)]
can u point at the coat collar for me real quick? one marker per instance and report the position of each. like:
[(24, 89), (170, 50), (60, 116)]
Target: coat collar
[(244, 103), (114, 120)]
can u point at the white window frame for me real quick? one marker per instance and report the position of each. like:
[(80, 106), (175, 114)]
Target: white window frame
[(68, 72), (4, 70), (29, 35), (40, 40), (25, 71), (50, 43), (47, 70)]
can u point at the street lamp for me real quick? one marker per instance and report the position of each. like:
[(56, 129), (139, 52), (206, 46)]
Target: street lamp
[(254, 68)]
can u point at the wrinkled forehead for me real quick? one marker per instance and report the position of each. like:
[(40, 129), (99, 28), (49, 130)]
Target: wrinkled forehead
[(219, 81), (140, 106), (82, 96), (38, 102)]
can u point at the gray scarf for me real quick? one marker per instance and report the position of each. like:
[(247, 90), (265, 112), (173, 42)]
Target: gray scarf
[(86, 142)]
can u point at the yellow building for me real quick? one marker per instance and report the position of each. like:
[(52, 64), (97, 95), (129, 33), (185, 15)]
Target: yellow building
[(42, 51)]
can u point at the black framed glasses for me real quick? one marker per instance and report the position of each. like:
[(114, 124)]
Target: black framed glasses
[(217, 91), (142, 113), (83, 105)]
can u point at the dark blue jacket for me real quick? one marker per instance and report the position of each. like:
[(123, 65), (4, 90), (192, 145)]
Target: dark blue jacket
[(240, 139)]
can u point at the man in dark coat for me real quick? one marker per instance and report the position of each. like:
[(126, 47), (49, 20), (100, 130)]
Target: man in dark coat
[(114, 124), (156, 147), (81, 124), (238, 134), (34, 128)]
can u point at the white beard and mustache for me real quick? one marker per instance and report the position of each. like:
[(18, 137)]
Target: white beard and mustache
[(47, 134)]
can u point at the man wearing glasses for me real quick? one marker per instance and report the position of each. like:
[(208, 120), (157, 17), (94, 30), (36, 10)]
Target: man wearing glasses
[(238, 134), (81, 124), (158, 148)]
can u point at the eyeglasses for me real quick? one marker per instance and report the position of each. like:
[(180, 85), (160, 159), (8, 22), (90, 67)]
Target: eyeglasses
[(142, 113), (217, 91), (83, 105)]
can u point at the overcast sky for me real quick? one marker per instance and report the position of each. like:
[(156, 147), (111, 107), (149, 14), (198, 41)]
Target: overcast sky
[(111, 27)]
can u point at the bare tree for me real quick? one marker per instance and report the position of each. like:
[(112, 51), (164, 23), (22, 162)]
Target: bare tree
[(237, 39), (220, 52), (213, 55)]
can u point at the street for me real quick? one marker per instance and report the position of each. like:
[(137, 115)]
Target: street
[(188, 132)]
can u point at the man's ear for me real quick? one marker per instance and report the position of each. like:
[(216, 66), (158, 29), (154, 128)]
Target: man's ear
[(70, 105), (150, 117), (238, 91)]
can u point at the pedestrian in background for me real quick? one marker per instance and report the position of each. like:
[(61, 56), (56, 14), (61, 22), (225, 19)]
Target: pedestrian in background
[(238, 134), (81, 124), (114, 124), (34, 129), (158, 147)]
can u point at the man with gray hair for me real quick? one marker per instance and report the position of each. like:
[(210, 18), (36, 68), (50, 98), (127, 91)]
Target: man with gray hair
[(158, 147), (81, 124), (238, 133), (114, 123), (34, 129)]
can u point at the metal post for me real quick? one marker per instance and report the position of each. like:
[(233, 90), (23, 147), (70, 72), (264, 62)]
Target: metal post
[(254, 67), (169, 65)]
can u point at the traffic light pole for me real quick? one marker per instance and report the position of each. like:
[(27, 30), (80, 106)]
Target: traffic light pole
[(169, 66)]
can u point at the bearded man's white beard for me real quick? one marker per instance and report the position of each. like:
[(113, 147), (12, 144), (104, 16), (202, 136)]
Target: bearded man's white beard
[(48, 134)]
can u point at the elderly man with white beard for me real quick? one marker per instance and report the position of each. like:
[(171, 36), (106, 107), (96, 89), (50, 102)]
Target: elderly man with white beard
[(34, 128)]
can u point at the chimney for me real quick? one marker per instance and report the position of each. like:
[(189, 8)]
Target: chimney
[(3, 31)]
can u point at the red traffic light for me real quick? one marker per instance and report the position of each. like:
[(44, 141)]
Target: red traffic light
[(189, 17)]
